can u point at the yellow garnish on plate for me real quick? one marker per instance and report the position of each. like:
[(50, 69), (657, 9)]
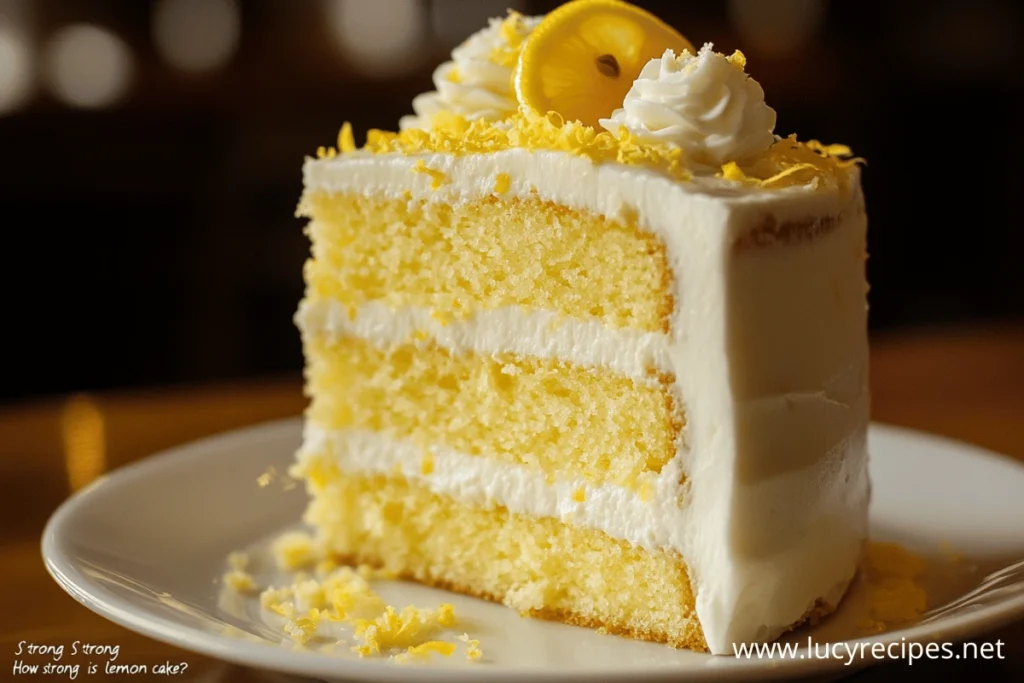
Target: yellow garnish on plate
[(294, 550), (582, 59)]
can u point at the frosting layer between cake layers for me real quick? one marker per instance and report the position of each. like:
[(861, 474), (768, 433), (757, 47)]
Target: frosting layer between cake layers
[(767, 345)]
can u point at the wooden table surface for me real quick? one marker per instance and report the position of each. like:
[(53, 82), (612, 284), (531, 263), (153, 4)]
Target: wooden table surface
[(964, 383)]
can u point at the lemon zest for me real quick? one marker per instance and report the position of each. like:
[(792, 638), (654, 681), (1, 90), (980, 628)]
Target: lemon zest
[(788, 162), (502, 183), (732, 171), (738, 60), (473, 651), (437, 178), (294, 550), (513, 31), (346, 141), (424, 650)]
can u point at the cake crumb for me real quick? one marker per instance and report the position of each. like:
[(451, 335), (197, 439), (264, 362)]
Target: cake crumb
[(240, 581), (409, 627), (294, 550), (473, 651), (303, 629), (268, 476)]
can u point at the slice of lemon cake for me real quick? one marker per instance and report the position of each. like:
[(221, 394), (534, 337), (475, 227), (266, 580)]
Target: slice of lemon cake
[(585, 337)]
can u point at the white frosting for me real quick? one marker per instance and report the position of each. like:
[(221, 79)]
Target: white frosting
[(702, 103), (471, 85), (769, 348), (507, 330)]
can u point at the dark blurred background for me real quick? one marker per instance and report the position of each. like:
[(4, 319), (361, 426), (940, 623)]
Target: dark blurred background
[(151, 155)]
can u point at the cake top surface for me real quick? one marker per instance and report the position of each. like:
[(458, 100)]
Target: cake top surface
[(607, 81)]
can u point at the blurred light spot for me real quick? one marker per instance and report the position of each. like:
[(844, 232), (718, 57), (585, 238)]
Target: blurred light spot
[(196, 35), (779, 26), (453, 22), (83, 433), (380, 37), (87, 66), (15, 67)]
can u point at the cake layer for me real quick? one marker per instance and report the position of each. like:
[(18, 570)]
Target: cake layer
[(543, 413), (539, 566), (486, 254)]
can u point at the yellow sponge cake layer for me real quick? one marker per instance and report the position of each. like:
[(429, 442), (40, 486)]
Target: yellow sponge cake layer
[(486, 254), (537, 565), (539, 412)]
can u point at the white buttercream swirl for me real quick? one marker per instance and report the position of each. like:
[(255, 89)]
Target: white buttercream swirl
[(704, 103), (473, 84)]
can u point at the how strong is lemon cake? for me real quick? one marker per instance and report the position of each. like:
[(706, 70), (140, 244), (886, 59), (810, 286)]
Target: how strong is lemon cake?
[(585, 337)]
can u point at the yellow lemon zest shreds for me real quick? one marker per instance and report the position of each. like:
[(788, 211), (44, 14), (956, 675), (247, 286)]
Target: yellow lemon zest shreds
[(579, 495), (445, 615), (454, 134), (426, 465), (453, 75), (829, 150), (738, 60), (391, 629), (394, 629), (311, 593), (240, 581), (423, 651), (786, 163), (782, 175), (351, 597), (346, 141), (438, 178), (301, 630), (732, 171), (513, 32), (790, 162), (278, 601), (294, 550), (442, 317), (473, 651), (502, 183)]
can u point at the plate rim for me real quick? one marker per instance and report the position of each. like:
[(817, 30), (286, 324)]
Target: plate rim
[(108, 605)]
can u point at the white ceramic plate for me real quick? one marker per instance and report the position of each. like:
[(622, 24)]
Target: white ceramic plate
[(145, 547)]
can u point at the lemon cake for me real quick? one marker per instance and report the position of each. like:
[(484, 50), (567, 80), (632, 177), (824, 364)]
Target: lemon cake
[(586, 337)]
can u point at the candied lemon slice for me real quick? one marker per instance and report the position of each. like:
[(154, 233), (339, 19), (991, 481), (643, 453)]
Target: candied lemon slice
[(582, 58)]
